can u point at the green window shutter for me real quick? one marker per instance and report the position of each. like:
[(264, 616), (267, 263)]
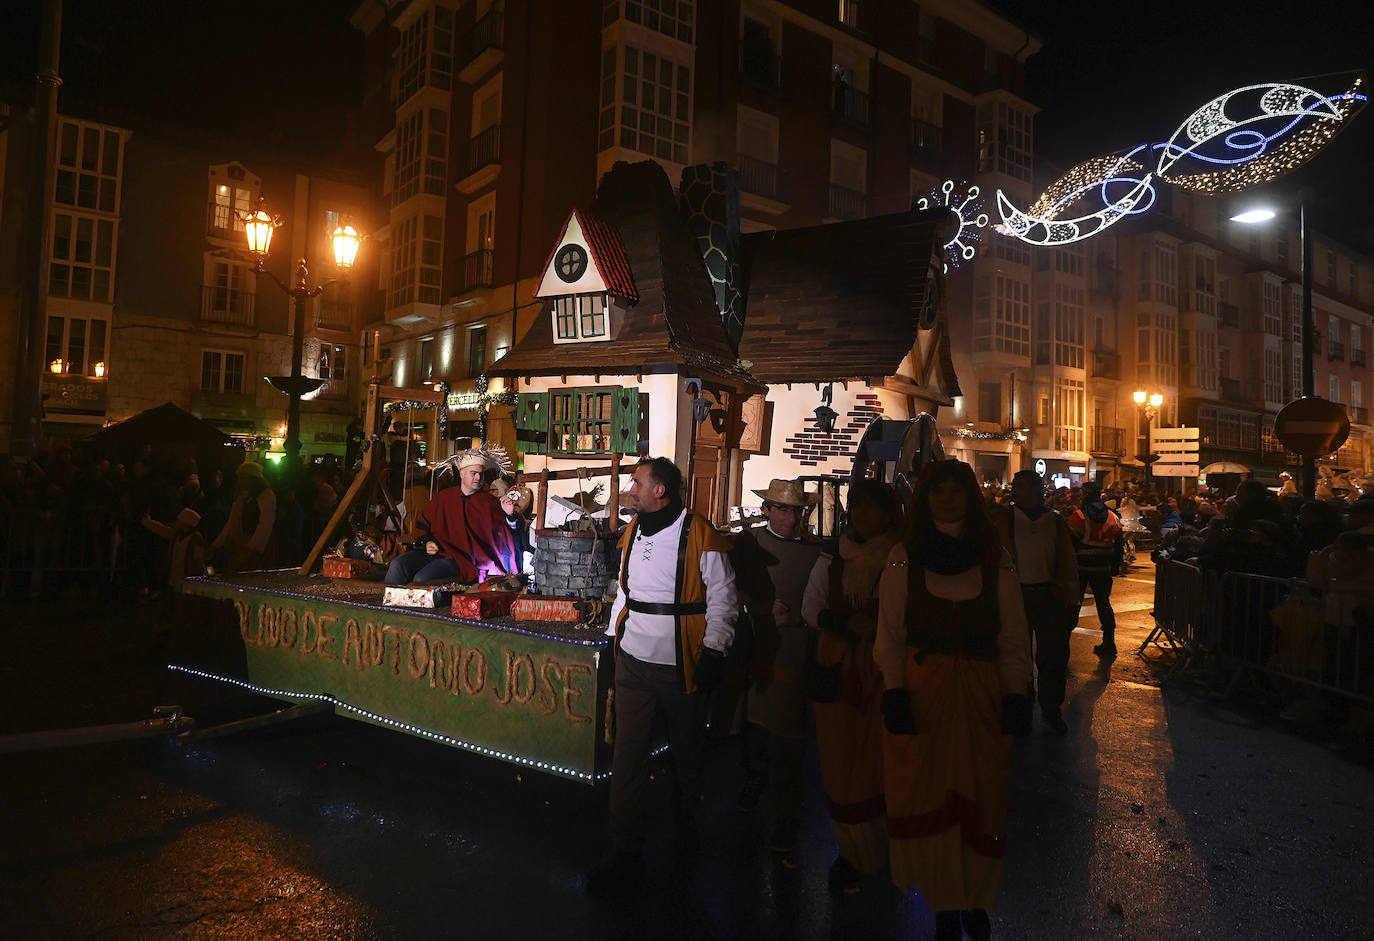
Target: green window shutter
[(625, 420), (532, 422)]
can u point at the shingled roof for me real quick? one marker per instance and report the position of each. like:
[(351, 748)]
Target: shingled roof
[(837, 301), (674, 322)]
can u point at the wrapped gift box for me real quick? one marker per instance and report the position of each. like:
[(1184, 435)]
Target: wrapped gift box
[(482, 604), (337, 566), (548, 608), (406, 596)]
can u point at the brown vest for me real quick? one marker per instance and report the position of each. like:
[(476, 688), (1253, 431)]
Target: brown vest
[(966, 628)]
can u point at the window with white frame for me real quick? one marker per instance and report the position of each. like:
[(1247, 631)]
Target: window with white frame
[(425, 53), (1272, 305), (672, 18), (406, 176), (1334, 388), (477, 350), (655, 105), (1001, 315), (82, 259), (481, 228), (605, 128), (88, 166), (221, 371), (1166, 273), (1273, 376), (1068, 326), (1004, 140), (76, 344), (228, 292), (404, 238), (436, 152), (1356, 394), (229, 203), (1069, 431), (1356, 340), (1333, 334), (581, 317), (431, 259), (425, 359)]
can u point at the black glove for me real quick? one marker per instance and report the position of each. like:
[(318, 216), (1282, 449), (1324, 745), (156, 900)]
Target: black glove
[(832, 623), (1016, 715), (710, 669), (897, 712)]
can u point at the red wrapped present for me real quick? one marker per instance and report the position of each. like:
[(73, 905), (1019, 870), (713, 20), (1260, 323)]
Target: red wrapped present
[(548, 608), (482, 604), (337, 566)]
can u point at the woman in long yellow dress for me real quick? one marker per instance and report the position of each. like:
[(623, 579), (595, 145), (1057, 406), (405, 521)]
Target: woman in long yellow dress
[(953, 649), (842, 599)]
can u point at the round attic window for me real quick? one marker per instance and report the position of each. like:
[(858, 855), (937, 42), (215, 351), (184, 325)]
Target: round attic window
[(570, 263)]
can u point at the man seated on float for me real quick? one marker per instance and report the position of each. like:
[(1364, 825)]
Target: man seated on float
[(464, 533)]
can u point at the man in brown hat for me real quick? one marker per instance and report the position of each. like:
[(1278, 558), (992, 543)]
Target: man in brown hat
[(773, 562)]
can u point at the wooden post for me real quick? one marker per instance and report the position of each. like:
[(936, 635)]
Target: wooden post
[(613, 498), (541, 499), (365, 473)]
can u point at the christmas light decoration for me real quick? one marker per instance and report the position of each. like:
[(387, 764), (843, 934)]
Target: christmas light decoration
[(403, 726), (1247, 137), (961, 246), (1254, 135)]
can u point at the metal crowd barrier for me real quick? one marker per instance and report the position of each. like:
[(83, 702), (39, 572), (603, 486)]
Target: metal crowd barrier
[(1279, 627), (42, 548)]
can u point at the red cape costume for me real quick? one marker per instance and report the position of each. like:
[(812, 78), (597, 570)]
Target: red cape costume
[(471, 531)]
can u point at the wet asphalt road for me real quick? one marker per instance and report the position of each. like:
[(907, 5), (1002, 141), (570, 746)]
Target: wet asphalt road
[(1164, 814)]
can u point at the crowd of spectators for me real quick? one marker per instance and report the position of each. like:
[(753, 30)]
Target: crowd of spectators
[(71, 516)]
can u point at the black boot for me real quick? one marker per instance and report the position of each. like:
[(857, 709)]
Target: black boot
[(977, 924), (948, 926), (1107, 649)]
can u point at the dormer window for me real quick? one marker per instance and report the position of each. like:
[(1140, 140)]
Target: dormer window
[(582, 317), (587, 281)]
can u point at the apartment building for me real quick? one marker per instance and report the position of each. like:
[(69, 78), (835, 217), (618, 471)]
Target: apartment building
[(152, 296), (495, 120), (1183, 303)]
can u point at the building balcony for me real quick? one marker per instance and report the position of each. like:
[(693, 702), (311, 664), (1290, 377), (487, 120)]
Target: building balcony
[(1359, 414), (483, 160), (1335, 351), (849, 103), (1232, 390), (1106, 364), (1107, 441), (485, 47), (473, 272), (761, 68), (334, 314), (1357, 357), (758, 176), (1229, 313), (926, 139), (846, 203), (224, 305)]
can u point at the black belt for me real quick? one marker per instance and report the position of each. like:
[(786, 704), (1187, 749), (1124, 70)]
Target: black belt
[(658, 607)]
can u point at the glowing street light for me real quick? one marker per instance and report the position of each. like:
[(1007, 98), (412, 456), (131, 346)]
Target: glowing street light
[(258, 227)]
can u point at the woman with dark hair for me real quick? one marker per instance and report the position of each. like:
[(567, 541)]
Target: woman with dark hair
[(842, 600), (953, 648)]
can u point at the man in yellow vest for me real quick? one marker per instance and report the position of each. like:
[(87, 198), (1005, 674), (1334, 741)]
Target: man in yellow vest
[(673, 621)]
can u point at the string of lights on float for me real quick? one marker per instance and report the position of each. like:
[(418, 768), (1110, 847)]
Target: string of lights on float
[(1244, 138), (380, 719)]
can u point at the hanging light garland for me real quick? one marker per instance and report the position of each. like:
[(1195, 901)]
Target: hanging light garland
[(1244, 138)]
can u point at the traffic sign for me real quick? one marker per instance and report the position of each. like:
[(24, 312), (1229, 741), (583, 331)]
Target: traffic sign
[(1174, 470), (1174, 446), (1312, 426), (1040, 467)]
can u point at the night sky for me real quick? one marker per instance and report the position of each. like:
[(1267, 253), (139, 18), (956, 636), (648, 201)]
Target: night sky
[(1110, 74)]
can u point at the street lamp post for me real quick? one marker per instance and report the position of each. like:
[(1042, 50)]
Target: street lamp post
[(258, 228), (1149, 402), (1253, 217)]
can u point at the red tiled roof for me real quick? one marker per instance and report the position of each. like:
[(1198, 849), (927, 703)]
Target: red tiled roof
[(608, 254)]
